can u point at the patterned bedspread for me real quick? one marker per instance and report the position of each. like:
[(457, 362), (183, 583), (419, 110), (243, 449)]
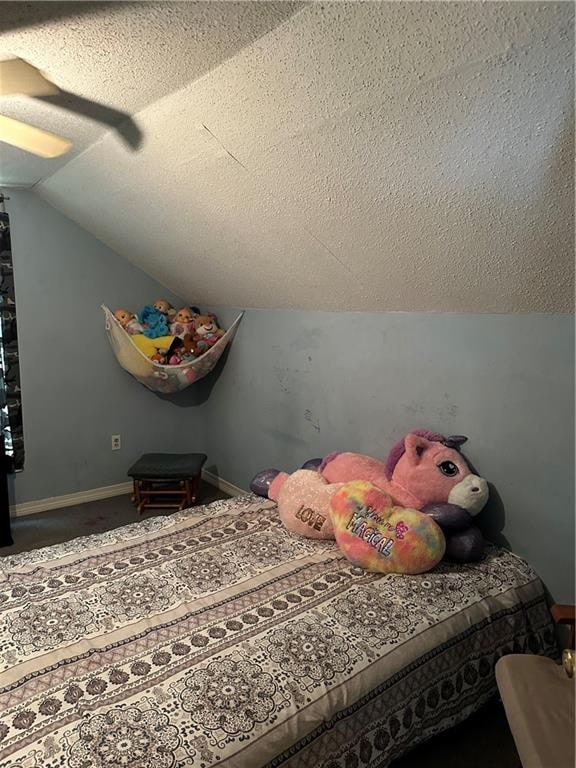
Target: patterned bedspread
[(215, 637)]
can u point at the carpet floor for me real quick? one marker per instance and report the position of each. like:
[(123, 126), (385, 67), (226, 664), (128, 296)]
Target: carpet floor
[(482, 741), (46, 528)]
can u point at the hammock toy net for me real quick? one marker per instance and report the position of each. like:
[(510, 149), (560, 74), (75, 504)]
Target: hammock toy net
[(162, 378)]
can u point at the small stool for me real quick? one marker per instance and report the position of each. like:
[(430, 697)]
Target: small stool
[(166, 480)]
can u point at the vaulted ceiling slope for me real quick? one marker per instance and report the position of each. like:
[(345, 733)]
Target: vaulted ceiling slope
[(353, 156), (125, 55)]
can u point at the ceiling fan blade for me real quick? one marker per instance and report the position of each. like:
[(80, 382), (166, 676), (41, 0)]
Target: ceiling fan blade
[(31, 139), (17, 76), (121, 122)]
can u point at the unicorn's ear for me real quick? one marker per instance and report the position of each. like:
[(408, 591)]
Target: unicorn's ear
[(455, 441), (415, 447)]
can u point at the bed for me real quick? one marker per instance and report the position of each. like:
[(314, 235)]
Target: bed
[(215, 637)]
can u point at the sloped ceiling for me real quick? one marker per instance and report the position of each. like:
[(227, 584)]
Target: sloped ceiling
[(122, 54), (410, 156)]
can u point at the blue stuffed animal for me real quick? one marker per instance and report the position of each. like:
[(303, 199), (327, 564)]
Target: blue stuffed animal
[(154, 322)]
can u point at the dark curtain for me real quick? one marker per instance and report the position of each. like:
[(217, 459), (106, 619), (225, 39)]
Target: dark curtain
[(11, 433), (10, 395)]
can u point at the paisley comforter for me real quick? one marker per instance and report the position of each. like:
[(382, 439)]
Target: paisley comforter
[(216, 637)]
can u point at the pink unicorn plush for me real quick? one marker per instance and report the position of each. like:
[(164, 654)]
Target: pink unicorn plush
[(424, 471)]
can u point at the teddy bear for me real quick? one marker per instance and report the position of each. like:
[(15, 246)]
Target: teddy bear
[(424, 471), (206, 332), (190, 346), (182, 350), (129, 321)]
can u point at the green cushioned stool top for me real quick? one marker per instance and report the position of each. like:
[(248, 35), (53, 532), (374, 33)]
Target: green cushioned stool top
[(168, 466)]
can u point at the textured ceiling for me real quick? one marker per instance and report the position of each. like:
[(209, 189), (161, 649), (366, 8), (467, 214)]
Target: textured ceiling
[(124, 55), (412, 156)]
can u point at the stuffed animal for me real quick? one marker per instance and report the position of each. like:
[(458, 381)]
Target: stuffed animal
[(154, 322), (206, 332), (304, 503), (369, 529), (165, 308), (424, 471), (183, 322), (128, 321), (379, 536), (189, 346), (184, 348), (151, 347)]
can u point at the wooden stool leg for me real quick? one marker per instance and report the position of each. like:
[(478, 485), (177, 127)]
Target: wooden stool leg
[(149, 493), (187, 493), (135, 492), (141, 496), (196, 487)]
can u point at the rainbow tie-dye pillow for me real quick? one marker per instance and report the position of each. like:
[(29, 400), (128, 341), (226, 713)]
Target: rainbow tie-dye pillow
[(378, 536)]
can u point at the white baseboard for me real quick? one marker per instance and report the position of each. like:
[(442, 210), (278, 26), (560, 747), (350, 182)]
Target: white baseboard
[(222, 485), (70, 499), (106, 492)]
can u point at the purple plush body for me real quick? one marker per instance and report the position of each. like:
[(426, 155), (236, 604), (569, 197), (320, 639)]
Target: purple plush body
[(260, 484), (313, 464), (450, 517)]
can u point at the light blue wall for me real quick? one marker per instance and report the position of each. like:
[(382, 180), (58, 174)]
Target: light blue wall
[(75, 395), (294, 385), (300, 384)]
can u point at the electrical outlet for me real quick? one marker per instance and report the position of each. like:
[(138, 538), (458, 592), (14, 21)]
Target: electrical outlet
[(116, 444)]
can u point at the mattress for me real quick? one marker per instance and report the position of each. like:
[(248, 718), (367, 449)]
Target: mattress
[(216, 637)]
